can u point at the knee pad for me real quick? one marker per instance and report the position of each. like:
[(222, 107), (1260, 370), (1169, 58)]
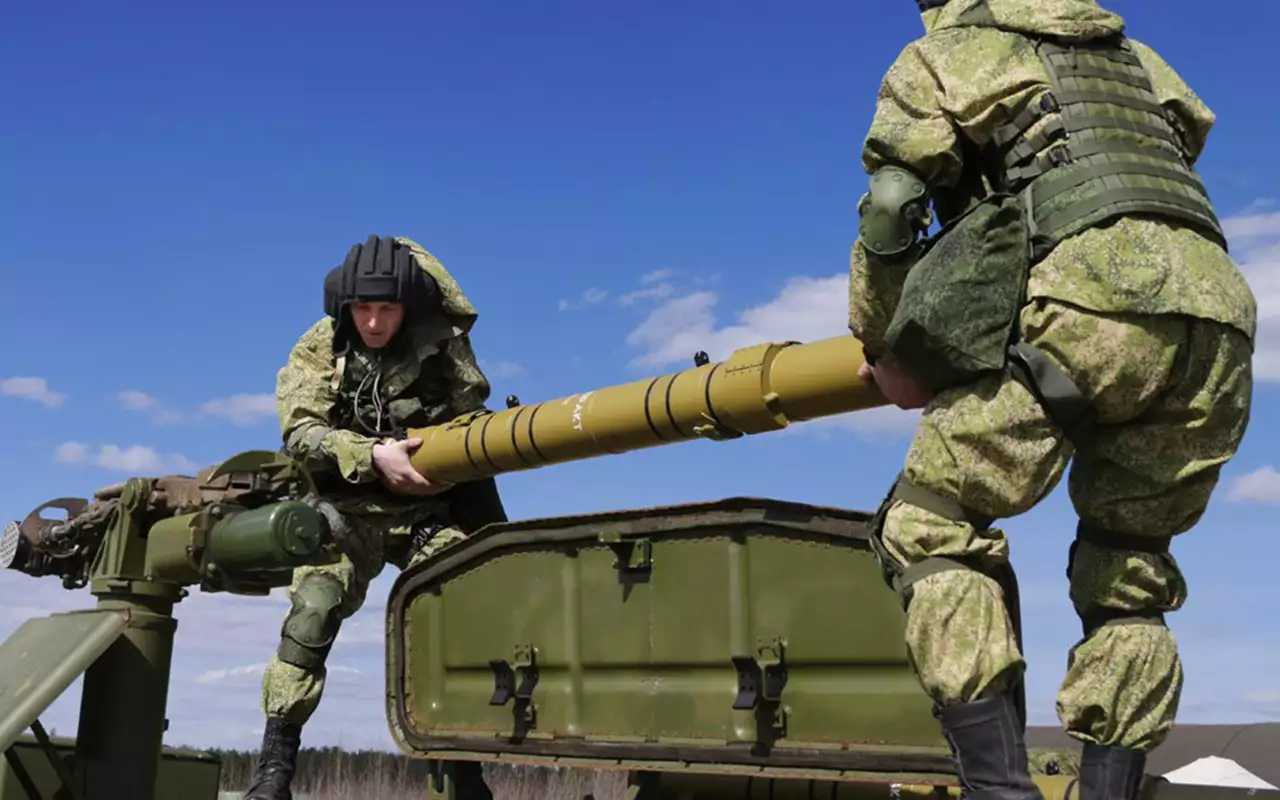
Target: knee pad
[(313, 621)]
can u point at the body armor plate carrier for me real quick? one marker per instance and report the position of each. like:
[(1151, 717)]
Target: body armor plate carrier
[(1115, 151)]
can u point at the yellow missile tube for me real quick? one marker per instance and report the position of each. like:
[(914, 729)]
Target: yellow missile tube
[(756, 389)]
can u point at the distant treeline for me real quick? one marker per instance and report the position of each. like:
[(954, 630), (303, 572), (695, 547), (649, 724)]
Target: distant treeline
[(319, 767), (330, 773)]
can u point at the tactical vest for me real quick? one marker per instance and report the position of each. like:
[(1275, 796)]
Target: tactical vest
[(377, 402), (1106, 149), (1112, 149)]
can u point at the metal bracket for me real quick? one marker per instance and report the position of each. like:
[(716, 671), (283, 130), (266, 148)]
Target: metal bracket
[(633, 558), (68, 788), (504, 676), (524, 661), (761, 677)]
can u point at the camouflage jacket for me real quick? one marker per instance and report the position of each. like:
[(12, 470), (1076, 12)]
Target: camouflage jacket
[(427, 376), (970, 73)]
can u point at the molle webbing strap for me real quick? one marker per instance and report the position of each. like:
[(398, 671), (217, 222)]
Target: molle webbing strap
[(1060, 397), (1106, 617), (937, 504), (946, 508), (1102, 617), (1155, 545), (930, 566), (1103, 147)]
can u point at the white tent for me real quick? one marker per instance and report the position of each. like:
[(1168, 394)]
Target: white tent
[(1216, 771)]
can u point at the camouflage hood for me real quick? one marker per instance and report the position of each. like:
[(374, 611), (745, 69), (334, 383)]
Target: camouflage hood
[(1074, 19), (456, 306)]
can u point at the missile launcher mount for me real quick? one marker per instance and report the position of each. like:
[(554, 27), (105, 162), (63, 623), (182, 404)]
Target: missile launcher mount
[(735, 648)]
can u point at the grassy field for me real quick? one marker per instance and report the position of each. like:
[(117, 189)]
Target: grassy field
[(332, 774)]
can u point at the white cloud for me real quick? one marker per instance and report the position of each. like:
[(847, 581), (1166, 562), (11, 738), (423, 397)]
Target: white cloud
[(657, 292), (135, 459), (239, 409), (242, 409), (1260, 486), (36, 389), (71, 453), (218, 675), (1268, 702), (807, 309), (1255, 244), (657, 275), (503, 369), (589, 297), (134, 400)]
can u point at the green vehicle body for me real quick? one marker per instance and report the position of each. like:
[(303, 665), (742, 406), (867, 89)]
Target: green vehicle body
[(743, 647), (181, 775)]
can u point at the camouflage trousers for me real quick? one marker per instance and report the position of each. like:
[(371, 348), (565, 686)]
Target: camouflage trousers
[(293, 692), (1172, 397)]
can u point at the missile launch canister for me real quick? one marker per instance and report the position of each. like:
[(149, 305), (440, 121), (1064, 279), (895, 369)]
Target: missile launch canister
[(760, 388)]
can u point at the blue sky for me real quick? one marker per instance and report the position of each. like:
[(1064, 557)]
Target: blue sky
[(615, 187)]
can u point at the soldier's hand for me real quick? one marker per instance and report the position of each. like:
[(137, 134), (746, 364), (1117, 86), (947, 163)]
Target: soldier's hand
[(900, 388), (396, 472)]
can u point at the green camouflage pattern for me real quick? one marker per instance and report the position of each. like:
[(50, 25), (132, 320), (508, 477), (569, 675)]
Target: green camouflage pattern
[(428, 376), (990, 447), (964, 79), (313, 383), (292, 692)]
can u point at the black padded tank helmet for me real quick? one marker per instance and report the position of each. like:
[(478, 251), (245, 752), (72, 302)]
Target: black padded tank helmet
[(380, 270)]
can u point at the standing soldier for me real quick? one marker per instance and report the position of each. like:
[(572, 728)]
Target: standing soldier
[(392, 353), (1078, 302)]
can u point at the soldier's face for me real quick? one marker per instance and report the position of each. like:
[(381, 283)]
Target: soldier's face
[(377, 322)]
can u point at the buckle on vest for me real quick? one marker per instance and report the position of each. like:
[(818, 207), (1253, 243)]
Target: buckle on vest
[(1059, 156), (1049, 103)]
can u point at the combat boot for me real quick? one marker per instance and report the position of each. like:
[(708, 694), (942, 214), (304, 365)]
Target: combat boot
[(277, 761), (1110, 773), (986, 740)]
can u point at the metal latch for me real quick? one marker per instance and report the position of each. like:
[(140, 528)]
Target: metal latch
[(761, 677), (524, 661)]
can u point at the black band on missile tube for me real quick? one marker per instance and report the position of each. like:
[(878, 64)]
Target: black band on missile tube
[(484, 445), (466, 444), (533, 441), (706, 394), (672, 417), (515, 442), (648, 415)]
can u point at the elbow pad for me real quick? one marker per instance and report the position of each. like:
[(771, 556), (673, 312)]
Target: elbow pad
[(894, 212)]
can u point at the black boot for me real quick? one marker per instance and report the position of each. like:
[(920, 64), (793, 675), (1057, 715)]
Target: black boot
[(987, 741), (277, 761), (469, 778), (1110, 773)]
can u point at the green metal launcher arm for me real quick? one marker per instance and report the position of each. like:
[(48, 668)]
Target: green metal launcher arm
[(761, 388), (239, 527)]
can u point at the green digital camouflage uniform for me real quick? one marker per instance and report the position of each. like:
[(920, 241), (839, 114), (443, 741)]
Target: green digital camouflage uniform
[(429, 378), (1152, 321)]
